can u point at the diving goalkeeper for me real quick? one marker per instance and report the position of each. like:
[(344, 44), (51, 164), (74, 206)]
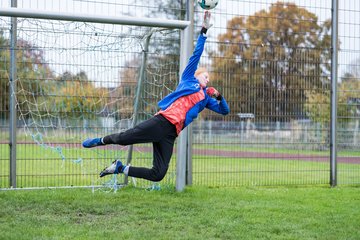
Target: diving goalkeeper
[(177, 110)]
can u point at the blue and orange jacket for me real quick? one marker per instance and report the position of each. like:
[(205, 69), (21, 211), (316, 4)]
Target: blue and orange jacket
[(189, 85)]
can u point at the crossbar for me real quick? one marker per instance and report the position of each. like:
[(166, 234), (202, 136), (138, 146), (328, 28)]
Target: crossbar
[(77, 17)]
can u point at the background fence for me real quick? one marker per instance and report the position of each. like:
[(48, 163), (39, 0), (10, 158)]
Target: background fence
[(270, 60)]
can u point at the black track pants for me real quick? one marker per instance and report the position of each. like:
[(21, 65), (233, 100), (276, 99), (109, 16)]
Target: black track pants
[(161, 133)]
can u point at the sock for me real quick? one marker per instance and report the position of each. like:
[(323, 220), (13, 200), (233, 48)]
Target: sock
[(126, 170)]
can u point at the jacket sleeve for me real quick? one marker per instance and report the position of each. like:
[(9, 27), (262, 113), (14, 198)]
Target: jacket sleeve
[(194, 59), (218, 107)]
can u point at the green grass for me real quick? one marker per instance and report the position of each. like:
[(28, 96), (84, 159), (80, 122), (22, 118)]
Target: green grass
[(197, 213), (272, 148), (39, 166)]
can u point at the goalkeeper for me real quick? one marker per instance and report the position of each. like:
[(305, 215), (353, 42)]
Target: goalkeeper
[(177, 110)]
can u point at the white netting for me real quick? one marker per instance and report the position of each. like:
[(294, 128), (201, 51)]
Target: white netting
[(77, 80)]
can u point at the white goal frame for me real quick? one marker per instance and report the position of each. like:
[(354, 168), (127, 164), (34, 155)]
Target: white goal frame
[(186, 28)]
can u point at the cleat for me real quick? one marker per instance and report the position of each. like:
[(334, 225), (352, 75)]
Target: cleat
[(92, 142), (115, 168)]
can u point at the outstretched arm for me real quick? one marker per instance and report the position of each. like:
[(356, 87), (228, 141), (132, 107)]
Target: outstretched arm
[(199, 48)]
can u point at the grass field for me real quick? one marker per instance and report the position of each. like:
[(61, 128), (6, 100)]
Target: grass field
[(200, 212), (197, 213), (38, 166)]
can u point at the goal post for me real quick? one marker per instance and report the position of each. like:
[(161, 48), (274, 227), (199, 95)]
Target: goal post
[(184, 149), (186, 47), (79, 17)]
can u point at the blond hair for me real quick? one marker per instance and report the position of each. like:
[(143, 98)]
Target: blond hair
[(199, 71)]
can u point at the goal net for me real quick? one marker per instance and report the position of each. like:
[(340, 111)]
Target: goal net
[(77, 80)]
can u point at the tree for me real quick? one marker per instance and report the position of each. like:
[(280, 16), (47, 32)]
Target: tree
[(318, 101), (162, 64), (352, 71), (268, 60), (318, 106), (349, 90), (78, 97), (4, 73), (32, 74), (125, 92)]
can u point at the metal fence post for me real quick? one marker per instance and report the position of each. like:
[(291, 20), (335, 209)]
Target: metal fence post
[(190, 18), (334, 76), (12, 128), (183, 140), (140, 83)]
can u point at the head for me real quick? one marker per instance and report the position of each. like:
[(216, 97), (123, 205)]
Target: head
[(202, 75)]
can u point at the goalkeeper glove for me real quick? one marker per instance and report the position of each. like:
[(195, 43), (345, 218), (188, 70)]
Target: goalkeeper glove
[(212, 92), (206, 22)]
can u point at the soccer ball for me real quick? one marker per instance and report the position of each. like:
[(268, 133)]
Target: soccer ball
[(208, 4)]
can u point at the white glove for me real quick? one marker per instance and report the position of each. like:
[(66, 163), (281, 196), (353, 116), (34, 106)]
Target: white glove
[(206, 23)]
